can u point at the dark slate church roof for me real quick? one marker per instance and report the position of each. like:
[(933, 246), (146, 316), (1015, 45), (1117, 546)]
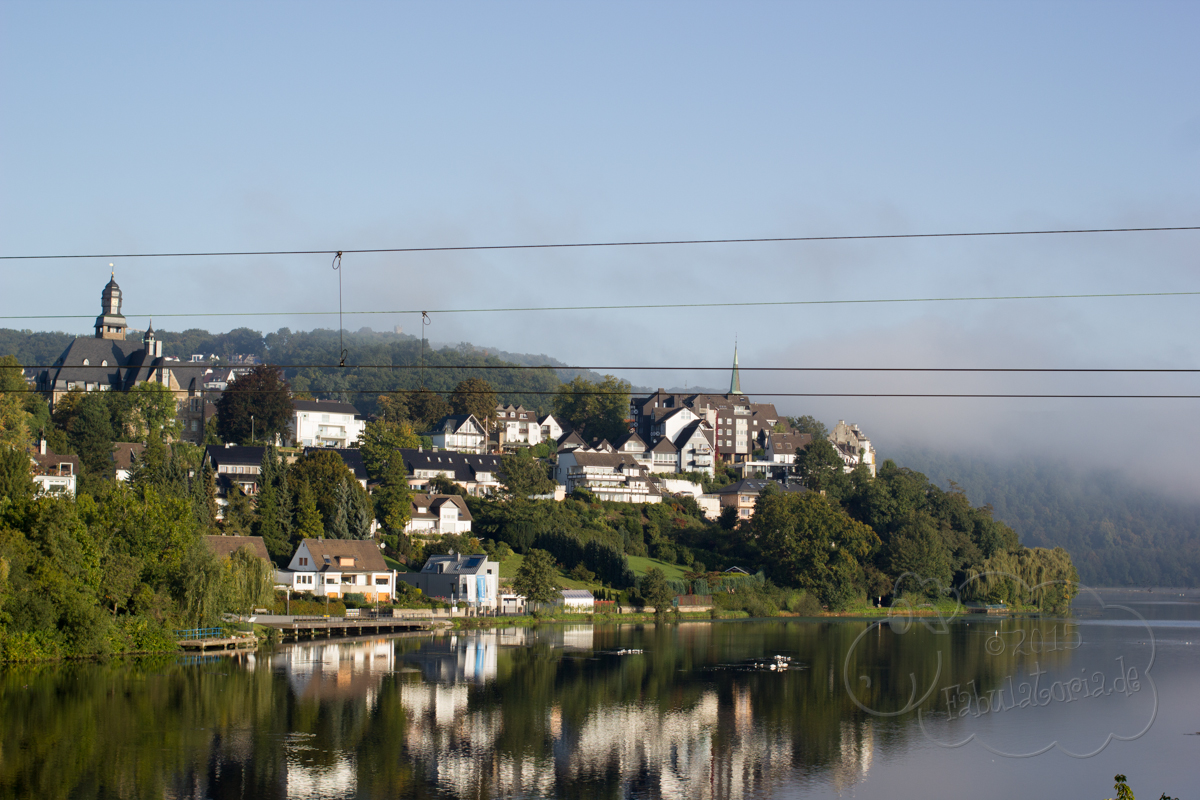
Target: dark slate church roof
[(70, 365)]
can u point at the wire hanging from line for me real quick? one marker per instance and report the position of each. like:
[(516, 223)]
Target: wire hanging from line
[(337, 267)]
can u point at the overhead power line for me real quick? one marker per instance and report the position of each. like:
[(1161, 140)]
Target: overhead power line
[(932, 395), (627, 307), (646, 243), (173, 364)]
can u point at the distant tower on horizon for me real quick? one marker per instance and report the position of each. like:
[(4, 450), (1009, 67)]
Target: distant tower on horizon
[(735, 382)]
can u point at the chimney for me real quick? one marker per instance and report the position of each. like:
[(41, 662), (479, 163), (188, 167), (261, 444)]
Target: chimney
[(42, 446)]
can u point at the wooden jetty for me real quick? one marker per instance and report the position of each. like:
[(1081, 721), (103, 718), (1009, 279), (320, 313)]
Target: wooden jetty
[(206, 639), (295, 628)]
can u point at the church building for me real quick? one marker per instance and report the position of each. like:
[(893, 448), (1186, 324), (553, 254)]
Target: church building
[(109, 362)]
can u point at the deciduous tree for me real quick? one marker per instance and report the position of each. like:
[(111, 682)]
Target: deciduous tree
[(596, 409), (262, 394), (537, 578)]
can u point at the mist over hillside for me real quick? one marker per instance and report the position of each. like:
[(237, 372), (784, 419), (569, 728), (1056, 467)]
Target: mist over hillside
[(1118, 533)]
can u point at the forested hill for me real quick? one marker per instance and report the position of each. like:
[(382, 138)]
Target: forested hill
[(1117, 534), (413, 365)]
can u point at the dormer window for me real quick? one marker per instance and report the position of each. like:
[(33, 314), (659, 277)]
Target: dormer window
[(87, 363)]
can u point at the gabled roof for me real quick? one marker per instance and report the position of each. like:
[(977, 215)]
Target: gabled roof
[(670, 412), (365, 553), (48, 463), (351, 457), (459, 466), (571, 438), (236, 454), (689, 432), (622, 461), (790, 442), (577, 594), (664, 445), (631, 438), (125, 453), (324, 407), (70, 367), (433, 503), (453, 423), (226, 546)]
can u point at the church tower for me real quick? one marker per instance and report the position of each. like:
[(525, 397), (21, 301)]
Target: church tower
[(111, 324), (735, 382), (152, 344)]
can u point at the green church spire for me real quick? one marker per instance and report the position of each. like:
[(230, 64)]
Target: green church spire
[(735, 383)]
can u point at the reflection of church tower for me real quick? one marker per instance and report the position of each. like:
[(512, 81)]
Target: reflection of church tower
[(735, 383), (110, 324)]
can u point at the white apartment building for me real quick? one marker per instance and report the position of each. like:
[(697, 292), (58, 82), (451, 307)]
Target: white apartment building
[(325, 423)]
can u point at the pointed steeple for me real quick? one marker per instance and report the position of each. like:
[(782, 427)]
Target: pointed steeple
[(735, 382)]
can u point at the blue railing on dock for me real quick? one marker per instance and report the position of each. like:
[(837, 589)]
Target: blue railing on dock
[(198, 634)]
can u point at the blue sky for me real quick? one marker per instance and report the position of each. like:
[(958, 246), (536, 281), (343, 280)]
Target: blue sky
[(227, 126)]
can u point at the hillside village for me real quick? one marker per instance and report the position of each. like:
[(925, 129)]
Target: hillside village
[(451, 497)]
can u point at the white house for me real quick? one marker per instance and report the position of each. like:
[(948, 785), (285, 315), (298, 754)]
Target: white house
[(781, 447), (325, 423), (337, 567), (552, 430), (54, 474), (457, 578), (609, 476), (853, 446), (517, 426), (460, 433), (436, 514), (478, 474), (682, 442)]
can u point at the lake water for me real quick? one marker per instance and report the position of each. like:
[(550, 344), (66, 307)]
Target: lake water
[(911, 708)]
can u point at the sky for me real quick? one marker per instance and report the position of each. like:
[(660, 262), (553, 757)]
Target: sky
[(199, 127)]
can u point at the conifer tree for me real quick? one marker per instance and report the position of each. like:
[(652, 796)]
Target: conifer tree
[(306, 519)]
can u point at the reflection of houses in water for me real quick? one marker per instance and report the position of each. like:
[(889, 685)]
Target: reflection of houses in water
[(469, 657), (458, 747), (716, 748), (337, 671), (323, 672)]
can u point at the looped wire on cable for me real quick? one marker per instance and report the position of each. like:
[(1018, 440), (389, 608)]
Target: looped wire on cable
[(337, 267)]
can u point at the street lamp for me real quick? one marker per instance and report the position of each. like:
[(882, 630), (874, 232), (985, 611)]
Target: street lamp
[(251, 429)]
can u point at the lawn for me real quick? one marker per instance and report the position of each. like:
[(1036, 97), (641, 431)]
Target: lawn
[(641, 565), (396, 565), (510, 565)]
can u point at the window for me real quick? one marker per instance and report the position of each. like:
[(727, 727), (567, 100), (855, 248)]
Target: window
[(381, 581), (304, 562), (86, 363), (330, 580)]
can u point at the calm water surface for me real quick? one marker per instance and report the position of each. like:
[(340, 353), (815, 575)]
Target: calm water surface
[(972, 707)]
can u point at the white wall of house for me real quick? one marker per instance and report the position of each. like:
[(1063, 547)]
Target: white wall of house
[(325, 429)]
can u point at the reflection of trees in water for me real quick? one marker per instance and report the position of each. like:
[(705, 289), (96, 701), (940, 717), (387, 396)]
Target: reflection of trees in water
[(508, 715)]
